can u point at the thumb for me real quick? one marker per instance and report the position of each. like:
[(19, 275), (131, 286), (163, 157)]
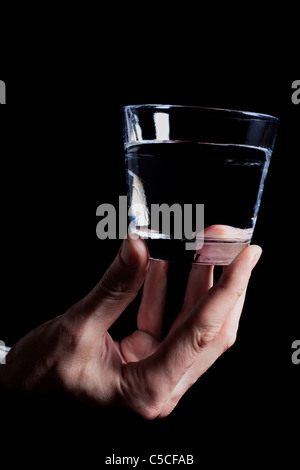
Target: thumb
[(119, 284)]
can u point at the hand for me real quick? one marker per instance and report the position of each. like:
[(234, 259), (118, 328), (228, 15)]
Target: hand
[(75, 353)]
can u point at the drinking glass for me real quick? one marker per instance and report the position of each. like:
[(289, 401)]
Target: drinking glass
[(195, 179)]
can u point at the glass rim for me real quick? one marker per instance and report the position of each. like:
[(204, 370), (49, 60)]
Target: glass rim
[(241, 113)]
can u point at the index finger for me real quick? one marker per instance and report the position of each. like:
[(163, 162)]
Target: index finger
[(151, 311)]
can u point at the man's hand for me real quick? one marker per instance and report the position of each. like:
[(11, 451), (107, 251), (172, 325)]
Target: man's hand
[(75, 353)]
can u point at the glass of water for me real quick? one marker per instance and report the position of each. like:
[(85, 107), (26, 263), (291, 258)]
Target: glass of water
[(195, 179)]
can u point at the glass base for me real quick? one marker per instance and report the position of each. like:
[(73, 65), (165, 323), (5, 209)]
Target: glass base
[(213, 252)]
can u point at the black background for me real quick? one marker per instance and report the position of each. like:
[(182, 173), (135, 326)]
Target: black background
[(62, 156)]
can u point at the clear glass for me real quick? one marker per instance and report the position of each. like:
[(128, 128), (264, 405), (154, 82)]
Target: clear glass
[(195, 179)]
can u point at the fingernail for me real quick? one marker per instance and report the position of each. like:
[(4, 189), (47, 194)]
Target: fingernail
[(257, 251), (127, 253)]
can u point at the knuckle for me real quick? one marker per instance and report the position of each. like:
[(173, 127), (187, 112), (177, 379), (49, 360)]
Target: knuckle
[(238, 292), (235, 294), (232, 287), (139, 394), (150, 411), (112, 288), (202, 338), (108, 289)]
